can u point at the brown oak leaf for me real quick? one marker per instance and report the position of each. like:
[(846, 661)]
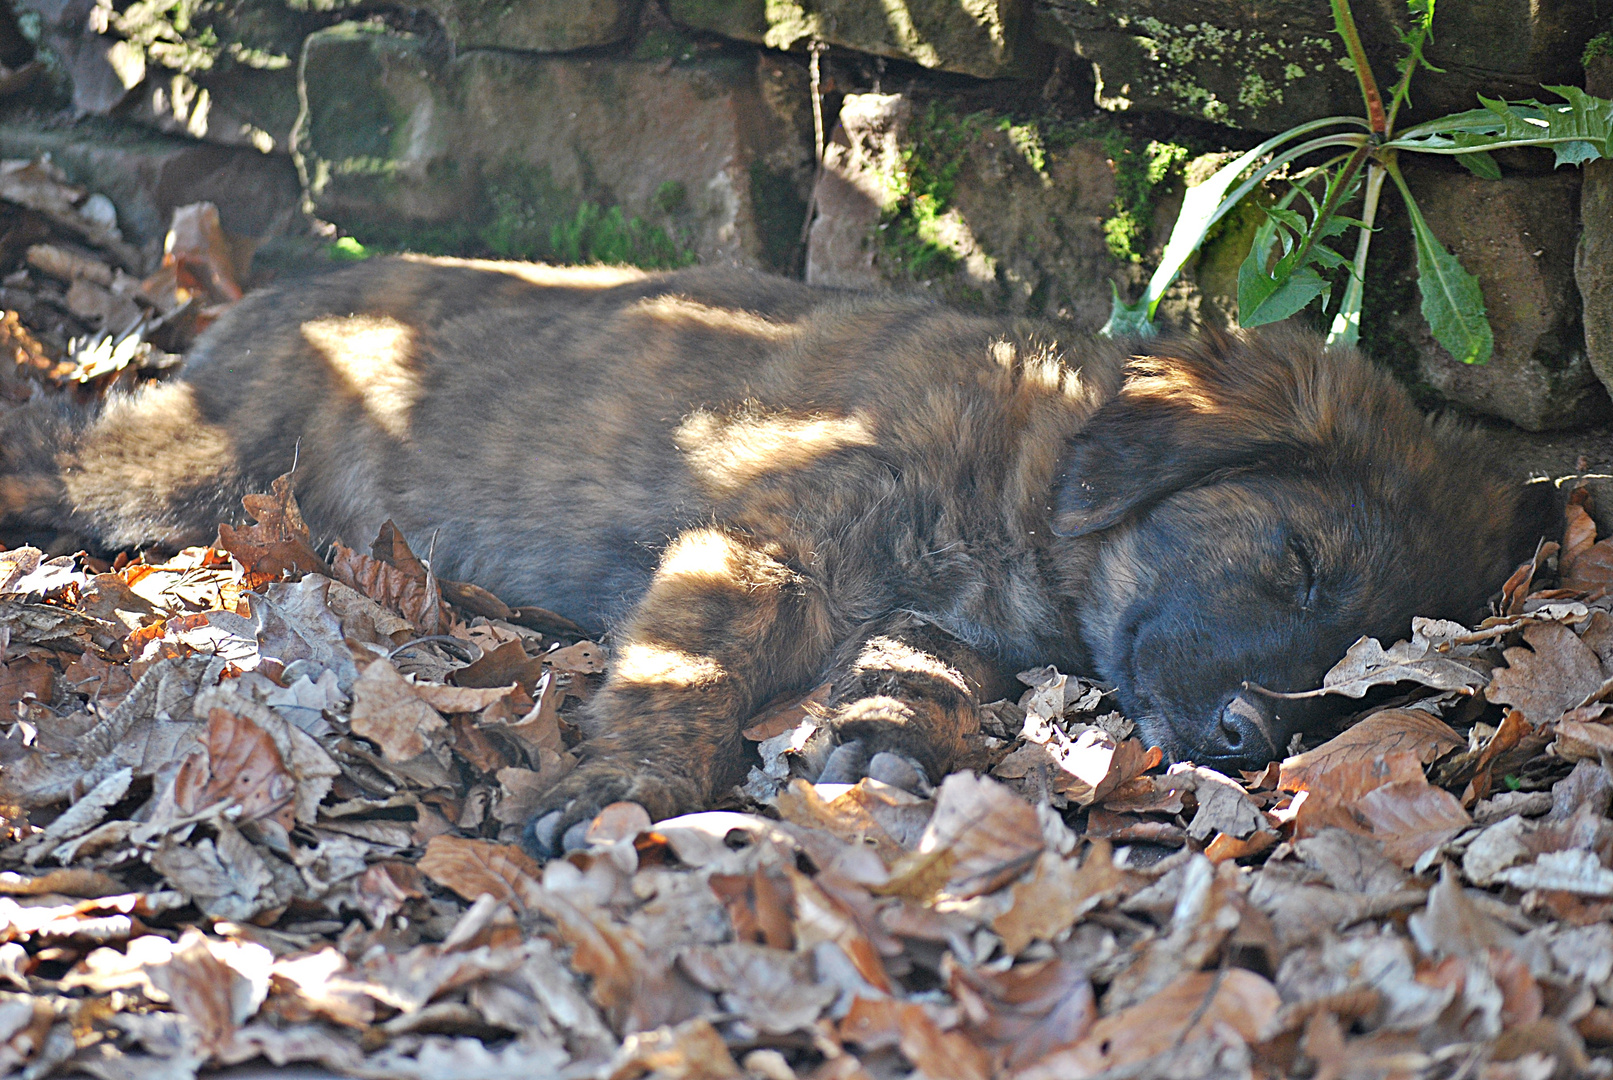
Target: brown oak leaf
[(1556, 673)]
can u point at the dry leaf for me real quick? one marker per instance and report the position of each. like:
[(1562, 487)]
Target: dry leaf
[(388, 711), (474, 867), (1190, 1007), (1410, 817), (980, 836), (242, 765), (278, 544), (774, 990), (1025, 1013), (1388, 731), (1557, 672), (1367, 664), (394, 578)]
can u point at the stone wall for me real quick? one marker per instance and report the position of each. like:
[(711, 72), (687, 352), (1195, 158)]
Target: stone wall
[(1018, 155)]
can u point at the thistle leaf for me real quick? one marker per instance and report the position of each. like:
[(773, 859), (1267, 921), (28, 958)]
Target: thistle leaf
[(1453, 303), (1128, 320), (1580, 127)]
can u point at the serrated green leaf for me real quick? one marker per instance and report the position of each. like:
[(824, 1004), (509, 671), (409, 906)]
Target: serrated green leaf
[(1481, 165), (1568, 153), (1204, 205), (1453, 303), (1262, 299), (1582, 121), (1128, 320)]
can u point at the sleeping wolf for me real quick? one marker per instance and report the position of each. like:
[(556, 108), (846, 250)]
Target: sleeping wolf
[(754, 485)]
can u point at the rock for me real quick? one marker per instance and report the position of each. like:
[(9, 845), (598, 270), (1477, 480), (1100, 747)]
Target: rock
[(535, 25), (980, 38), (147, 175), (1517, 235), (223, 71), (235, 106), (981, 210), (1593, 264), (557, 157), (854, 191), (103, 70), (1278, 63)]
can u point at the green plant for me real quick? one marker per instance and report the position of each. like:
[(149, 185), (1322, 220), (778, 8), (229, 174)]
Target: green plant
[(594, 235), (1284, 270)]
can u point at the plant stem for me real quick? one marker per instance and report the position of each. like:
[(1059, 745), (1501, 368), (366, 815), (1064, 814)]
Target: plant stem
[(1345, 24), (1346, 327), (1346, 176)]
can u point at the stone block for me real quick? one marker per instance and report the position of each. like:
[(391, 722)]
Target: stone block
[(1593, 264), (146, 175), (972, 37), (981, 210), (854, 191), (233, 106), (535, 25), (1517, 235), (223, 71), (1273, 64), (523, 153)]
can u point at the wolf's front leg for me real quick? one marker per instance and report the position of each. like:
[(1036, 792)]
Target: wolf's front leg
[(726, 625), (905, 695)]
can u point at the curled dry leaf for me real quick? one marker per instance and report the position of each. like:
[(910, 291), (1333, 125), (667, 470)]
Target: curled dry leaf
[(394, 578), (981, 836), (1367, 664), (278, 544), (1586, 563)]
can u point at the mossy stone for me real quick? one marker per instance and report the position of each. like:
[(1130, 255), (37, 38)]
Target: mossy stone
[(972, 37), (535, 25)]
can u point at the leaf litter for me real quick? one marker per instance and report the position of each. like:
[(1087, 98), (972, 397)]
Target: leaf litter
[(262, 804)]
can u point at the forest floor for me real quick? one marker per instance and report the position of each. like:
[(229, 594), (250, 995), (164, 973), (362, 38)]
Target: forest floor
[(259, 804)]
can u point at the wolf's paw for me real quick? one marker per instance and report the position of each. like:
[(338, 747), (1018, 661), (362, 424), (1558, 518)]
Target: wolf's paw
[(561, 821), (851, 761)]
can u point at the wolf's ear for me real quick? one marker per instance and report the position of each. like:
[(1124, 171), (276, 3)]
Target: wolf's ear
[(1133, 453), (1198, 406)]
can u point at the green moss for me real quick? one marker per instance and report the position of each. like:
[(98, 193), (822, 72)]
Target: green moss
[(523, 207), (1600, 45), (939, 145), (347, 249), (923, 190), (670, 198), (530, 217), (1142, 170), (595, 235)]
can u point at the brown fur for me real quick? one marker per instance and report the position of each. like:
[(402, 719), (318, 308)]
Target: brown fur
[(754, 485)]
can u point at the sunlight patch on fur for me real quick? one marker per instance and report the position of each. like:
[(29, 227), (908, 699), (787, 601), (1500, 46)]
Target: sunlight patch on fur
[(727, 453), (641, 662), (373, 355)]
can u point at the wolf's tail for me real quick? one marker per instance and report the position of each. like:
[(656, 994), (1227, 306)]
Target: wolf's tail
[(144, 469)]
